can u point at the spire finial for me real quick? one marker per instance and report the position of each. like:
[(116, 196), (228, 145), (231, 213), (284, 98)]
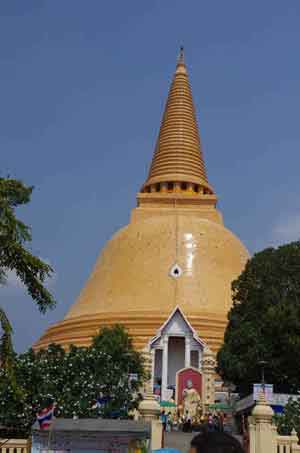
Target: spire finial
[(178, 156), (180, 59)]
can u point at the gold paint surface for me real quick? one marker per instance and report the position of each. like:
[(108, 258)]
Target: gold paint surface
[(132, 272), (178, 154), (130, 282)]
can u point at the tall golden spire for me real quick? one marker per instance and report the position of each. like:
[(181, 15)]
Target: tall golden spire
[(178, 164)]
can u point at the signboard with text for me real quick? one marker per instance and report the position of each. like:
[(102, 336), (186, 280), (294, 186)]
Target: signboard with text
[(267, 388)]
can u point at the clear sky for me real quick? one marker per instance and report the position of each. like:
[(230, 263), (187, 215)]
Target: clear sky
[(82, 88)]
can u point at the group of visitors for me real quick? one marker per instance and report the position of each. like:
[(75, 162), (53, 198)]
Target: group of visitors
[(175, 422), (169, 421), (212, 422), (215, 422), (211, 438)]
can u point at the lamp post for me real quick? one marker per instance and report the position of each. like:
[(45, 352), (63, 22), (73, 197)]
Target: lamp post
[(230, 388), (262, 365)]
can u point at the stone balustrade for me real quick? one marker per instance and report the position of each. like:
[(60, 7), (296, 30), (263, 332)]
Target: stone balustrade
[(287, 444), (15, 446), (263, 433)]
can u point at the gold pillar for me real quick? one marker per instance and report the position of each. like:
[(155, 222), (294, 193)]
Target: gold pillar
[(164, 187), (191, 187), (177, 187), (208, 371)]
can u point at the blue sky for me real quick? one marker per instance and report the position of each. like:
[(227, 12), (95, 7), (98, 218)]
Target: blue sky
[(82, 88)]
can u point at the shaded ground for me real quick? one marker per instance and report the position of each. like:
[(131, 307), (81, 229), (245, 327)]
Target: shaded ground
[(179, 440)]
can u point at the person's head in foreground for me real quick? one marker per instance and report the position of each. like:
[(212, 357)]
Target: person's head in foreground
[(215, 442)]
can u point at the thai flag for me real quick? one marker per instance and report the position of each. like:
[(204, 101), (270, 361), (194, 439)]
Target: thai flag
[(45, 416), (101, 401)]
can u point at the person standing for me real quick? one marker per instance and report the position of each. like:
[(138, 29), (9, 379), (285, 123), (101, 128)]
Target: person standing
[(210, 424), (221, 421), (164, 419)]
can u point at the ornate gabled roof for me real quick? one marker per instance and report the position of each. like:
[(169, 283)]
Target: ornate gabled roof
[(178, 155), (178, 310)]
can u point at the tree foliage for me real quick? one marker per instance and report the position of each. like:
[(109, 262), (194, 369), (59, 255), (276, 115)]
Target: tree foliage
[(264, 322), (290, 419), (74, 380), (15, 256)]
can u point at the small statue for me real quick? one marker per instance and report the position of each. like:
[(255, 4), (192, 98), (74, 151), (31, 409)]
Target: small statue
[(191, 400)]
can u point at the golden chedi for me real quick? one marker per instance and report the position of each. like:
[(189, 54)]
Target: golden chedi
[(167, 275)]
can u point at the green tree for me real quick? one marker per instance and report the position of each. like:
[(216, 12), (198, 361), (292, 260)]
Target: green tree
[(290, 419), (264, 322), (15, 256), (74, 379)]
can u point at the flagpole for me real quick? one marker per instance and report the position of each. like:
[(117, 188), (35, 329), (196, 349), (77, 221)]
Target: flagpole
[(52, 423), (49, 436)]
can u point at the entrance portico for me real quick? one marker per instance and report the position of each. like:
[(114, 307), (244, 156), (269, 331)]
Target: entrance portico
[(175, 346)]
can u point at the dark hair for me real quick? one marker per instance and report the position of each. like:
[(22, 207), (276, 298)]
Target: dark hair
[(215, 442)]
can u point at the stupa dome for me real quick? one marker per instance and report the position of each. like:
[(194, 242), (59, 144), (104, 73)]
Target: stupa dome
[(175, 252), (132, 282)]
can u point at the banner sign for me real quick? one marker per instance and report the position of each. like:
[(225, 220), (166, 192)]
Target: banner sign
[(268, 390)]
